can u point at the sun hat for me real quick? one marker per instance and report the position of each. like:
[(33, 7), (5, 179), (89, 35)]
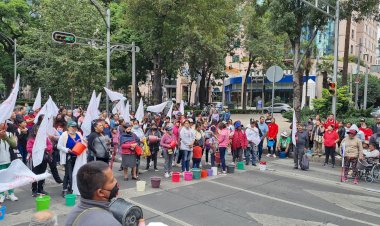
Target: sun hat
[(284, 134)]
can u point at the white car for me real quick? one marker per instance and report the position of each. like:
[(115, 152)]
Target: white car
[(278, 108), (376, 112)]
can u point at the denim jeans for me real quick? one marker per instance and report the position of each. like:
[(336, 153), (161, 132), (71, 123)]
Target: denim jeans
[(168, 161), (23, 152), (180, 156), (69, 167), (251, 151), (186, 160), (260, 149), (196, 163), (222, 151), (212, 155)]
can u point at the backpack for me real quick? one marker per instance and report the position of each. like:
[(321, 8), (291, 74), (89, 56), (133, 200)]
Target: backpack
[(305, 162)]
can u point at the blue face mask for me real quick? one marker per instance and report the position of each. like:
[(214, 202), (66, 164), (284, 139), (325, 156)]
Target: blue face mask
[(135, 127)]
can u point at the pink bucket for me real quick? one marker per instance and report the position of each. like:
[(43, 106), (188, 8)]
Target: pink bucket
[(188, 176)]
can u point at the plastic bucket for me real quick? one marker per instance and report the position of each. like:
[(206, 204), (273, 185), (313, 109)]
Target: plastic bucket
[(263, 166), (140, 185), (70, 199), (217, 157), (240, 165), (79, 148), (270, 143), (230, 168), (209, 172), (155, 182), (2, 212), (196, 174), (188, 176), (176, 177), (282, 155), (214, 171), (204, 174), (43, 203)]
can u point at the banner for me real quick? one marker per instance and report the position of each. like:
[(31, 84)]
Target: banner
[(294, 128)]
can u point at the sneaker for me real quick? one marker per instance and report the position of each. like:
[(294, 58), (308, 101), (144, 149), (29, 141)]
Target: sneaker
[(12, 197), (254, 164), (34, 194), (155, 169), (64, 193), (167, 175), (274, 156), (296, 167), (2, 198), (268, 155), (200, 165), (356, 180), (224, 173), (344, 179), (43, 192)]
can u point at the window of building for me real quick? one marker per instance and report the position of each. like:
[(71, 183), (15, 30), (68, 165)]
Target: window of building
[(371, 60), (352, 49), (235, 59), (353, 34)]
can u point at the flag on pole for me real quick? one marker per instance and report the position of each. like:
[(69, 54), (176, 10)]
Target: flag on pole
[(114, 96), (37, 101), (157, 108), (90, 114), (49, 109), (140, 111), (126, 115), (6, 108), (294, 128), (170, 112), (39, 145), (182, 107), (119, 108)]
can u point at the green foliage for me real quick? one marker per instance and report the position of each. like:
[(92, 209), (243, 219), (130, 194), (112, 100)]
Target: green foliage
[(323, 105), (373, 93)]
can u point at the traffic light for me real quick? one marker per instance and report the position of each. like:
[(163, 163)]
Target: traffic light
[(63, 37), (332, 88)]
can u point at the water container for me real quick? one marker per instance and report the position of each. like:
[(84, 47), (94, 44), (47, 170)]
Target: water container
[(217, 157), (270, 143), (43, 203), (140, 185), (188, 176), (240, 165), (70, 199), (214, 171), (176, 177), (196, 173), (282, 155), (231, 168), (204, 174), (155, 181), (2, 212), (209, 172), (263, 166)]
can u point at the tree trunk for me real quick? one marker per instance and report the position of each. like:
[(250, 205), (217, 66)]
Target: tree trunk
[(346, 51), (325, 84), (307, 72), (244, 93), (207, 87), (156, 81), (189, 97), (202, 88), (297, 78)]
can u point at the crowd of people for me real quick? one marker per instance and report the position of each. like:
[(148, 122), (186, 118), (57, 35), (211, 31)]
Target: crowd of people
[(181, 139)]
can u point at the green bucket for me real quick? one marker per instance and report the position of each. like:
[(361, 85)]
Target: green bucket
[(70, 199), (42, 203), (196, 174), (240, 165)]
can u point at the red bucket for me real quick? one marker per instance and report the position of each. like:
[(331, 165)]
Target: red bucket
[(204, 174), (176, 177), (78, 149), (217, 157)]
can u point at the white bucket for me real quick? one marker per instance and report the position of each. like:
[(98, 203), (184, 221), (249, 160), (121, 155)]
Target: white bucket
[(262, 167), (140, 185), (214, 171)]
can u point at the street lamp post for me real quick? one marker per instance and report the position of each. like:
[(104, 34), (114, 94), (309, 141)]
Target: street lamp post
[(15, 59), (357, 77), (108, 25), (365, 88)]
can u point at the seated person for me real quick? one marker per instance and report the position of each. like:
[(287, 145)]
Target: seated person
[(284, 142), (97, 187), (372, 153), (365, 145)]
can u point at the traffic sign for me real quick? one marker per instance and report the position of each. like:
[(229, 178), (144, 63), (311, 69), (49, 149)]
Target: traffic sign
[(275, 74), (63, 37)]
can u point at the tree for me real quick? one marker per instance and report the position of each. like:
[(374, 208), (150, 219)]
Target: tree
[(291, 16), (357, 11), (373, 90), (265, 48), (324, 104), (326, 68)]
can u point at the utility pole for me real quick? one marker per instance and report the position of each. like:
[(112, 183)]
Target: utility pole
[(365, 88), (108, 23), (15, 59), (357, 77), (133, 77)]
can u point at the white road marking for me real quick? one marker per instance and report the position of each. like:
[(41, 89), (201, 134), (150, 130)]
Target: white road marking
[(353, 203), (295, 204), (269, 220)]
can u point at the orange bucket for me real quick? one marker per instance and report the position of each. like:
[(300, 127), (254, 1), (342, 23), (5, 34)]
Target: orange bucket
[(78, 149), (204, 174)]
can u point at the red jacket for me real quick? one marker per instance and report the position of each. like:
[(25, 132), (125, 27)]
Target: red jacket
[(333, 122), (272, 130), (197, 152), (367, 132), (330, 138), (239, 140)]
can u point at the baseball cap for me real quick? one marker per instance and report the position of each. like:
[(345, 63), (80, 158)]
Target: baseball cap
[(352, 131)]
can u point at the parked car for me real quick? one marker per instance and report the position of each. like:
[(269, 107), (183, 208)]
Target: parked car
[(376, 112), (278, 108), (218, 105)]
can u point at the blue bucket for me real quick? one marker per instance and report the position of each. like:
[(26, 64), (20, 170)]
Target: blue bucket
[(2, 212), (270, 143), (282, 155)]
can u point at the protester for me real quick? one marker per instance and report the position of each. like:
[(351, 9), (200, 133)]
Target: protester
[(375, 138), (44, 218), (38, 187), (302, 144), (21, 112), (367, 131), (263, 130), (97, 187), (114, 121), (331, 138), (331, 121), (197, 154), (187, 138), (153, 136), (376, 127), (66, 143), (317, 137), (353, 150), (129, 141), (272, 136), (223, 141), (284, 143), (211, 144), (136, 129), (30, 120), (239, 143), (268, 118), (167, 143), (372, 152), (7, 142), (98, 143), (341, 132), (22, 139), (253, 138), (359, 134)]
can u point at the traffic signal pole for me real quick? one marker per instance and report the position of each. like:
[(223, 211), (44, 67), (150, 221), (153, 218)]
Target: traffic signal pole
[(108, 23)]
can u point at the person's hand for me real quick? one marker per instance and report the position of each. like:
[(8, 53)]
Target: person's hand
[(69, 151), (51, 137), (3, 134)]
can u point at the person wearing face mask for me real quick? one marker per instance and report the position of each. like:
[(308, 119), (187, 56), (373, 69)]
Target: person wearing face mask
[(353, 150), (153, 136), (98, 142), (66, 143), (97, 187), (128, 143), (136, 129), (166, 143)]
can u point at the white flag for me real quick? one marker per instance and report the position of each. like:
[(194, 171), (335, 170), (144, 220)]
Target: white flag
[(37, 101), (140, 111), (114, 96), (119, 108), (126, 115), (39, 145), (86, 125), (294, 128), (182, 107), (49, 109), (170, 112), (6, 108), (157, 108)]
